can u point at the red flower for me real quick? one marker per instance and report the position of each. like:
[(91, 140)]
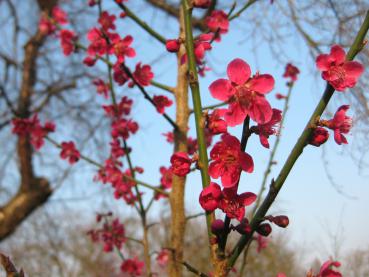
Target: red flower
[(201, 45), (166, 177), (338, 72), (267, 129), (169, 136), (122, 48), (246, 95), (107, 21), (291, 72), (218, 20), (59, 15), (102, 88), (119, 75), (161, 102), (132, 266), (204, 4), (210, 197), (123, 128), (89, 61), (319, 136), (215, 123), (228, 161), (327, 271), (143, 74), (172, 45), (98, 44), (69, 152), (233, 204), (46, 26), (180, 164), (33, 128), (163, 257), (340, 124)]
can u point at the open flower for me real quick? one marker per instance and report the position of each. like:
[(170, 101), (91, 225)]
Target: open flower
[(339, 72), (180, 164), (70, 152), (245, 94), (267, 129), (233, 204), (340, 124), (210, 197), (229, 161)]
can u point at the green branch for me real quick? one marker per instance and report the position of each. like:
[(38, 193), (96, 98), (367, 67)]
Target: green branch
[(297, 150), (197, 108)]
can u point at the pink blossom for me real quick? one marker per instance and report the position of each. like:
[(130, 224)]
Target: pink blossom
[(291, 72), (269, 128), (233, 204), (70, 152), (107, 21), (280, 96), (172, 45), (215, 123), (340, 124), (143, 74), (59, 15), (327, 271), (163, 257), (166, 177), (337, 71), (123, 128), (180, 164), (210, 197), (122, 48), (102, 88), (204, 4), (245, 94), (217, 21), (134, 267), (228, 161)]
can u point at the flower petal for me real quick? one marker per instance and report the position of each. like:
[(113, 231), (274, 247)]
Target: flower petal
[(238, 71), (235, 115), (338, 54), (353, 69), (221, 89), (263, 83), (247, 198), (260, 110), (247, 164), (323, 62)]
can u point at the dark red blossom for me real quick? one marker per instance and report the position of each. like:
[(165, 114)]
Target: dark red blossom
[(319, 136), (269, 128), (340, 124), (143, 74), (291, 72), (210, 197), (204, 4), (169, 137), (98, 43), (67, 39), (215, 122), (233, 204), (133, 267), (102, 88), (327, 269), (123, 128), (161, 102), (217, 227), (280, 96), (228, 161), (33, 128), (119, 75), (70, 152), (180, 164), (106, 21), (112, 234), (337, 71), (245, 94), (89, 61), (264, 229), (279, 220), (122, 108), (244, 227)]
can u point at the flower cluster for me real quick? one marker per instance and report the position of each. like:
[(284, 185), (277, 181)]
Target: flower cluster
[(70, 152), (112, 233), (32, 127)]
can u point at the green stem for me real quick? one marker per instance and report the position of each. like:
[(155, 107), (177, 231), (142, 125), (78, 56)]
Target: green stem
[(142, 23), (274, 150), (195, 89), (297, 150), (162, 86), (240, 11)]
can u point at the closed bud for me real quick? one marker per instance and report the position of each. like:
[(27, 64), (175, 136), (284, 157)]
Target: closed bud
[(319, 136), (204, 4), (172, 45), (244, 227), (217, 227), (264, 229), (281, 221)]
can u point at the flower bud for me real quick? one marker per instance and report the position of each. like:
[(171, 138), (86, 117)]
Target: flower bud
[(172, 45), (217, 227), (264, 229), (281, 220), (244, 227), (204, 4), (319, 136)]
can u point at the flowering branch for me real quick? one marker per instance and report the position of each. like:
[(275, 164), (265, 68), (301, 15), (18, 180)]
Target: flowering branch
[(143, 24), (297, 150), (163, 87)]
